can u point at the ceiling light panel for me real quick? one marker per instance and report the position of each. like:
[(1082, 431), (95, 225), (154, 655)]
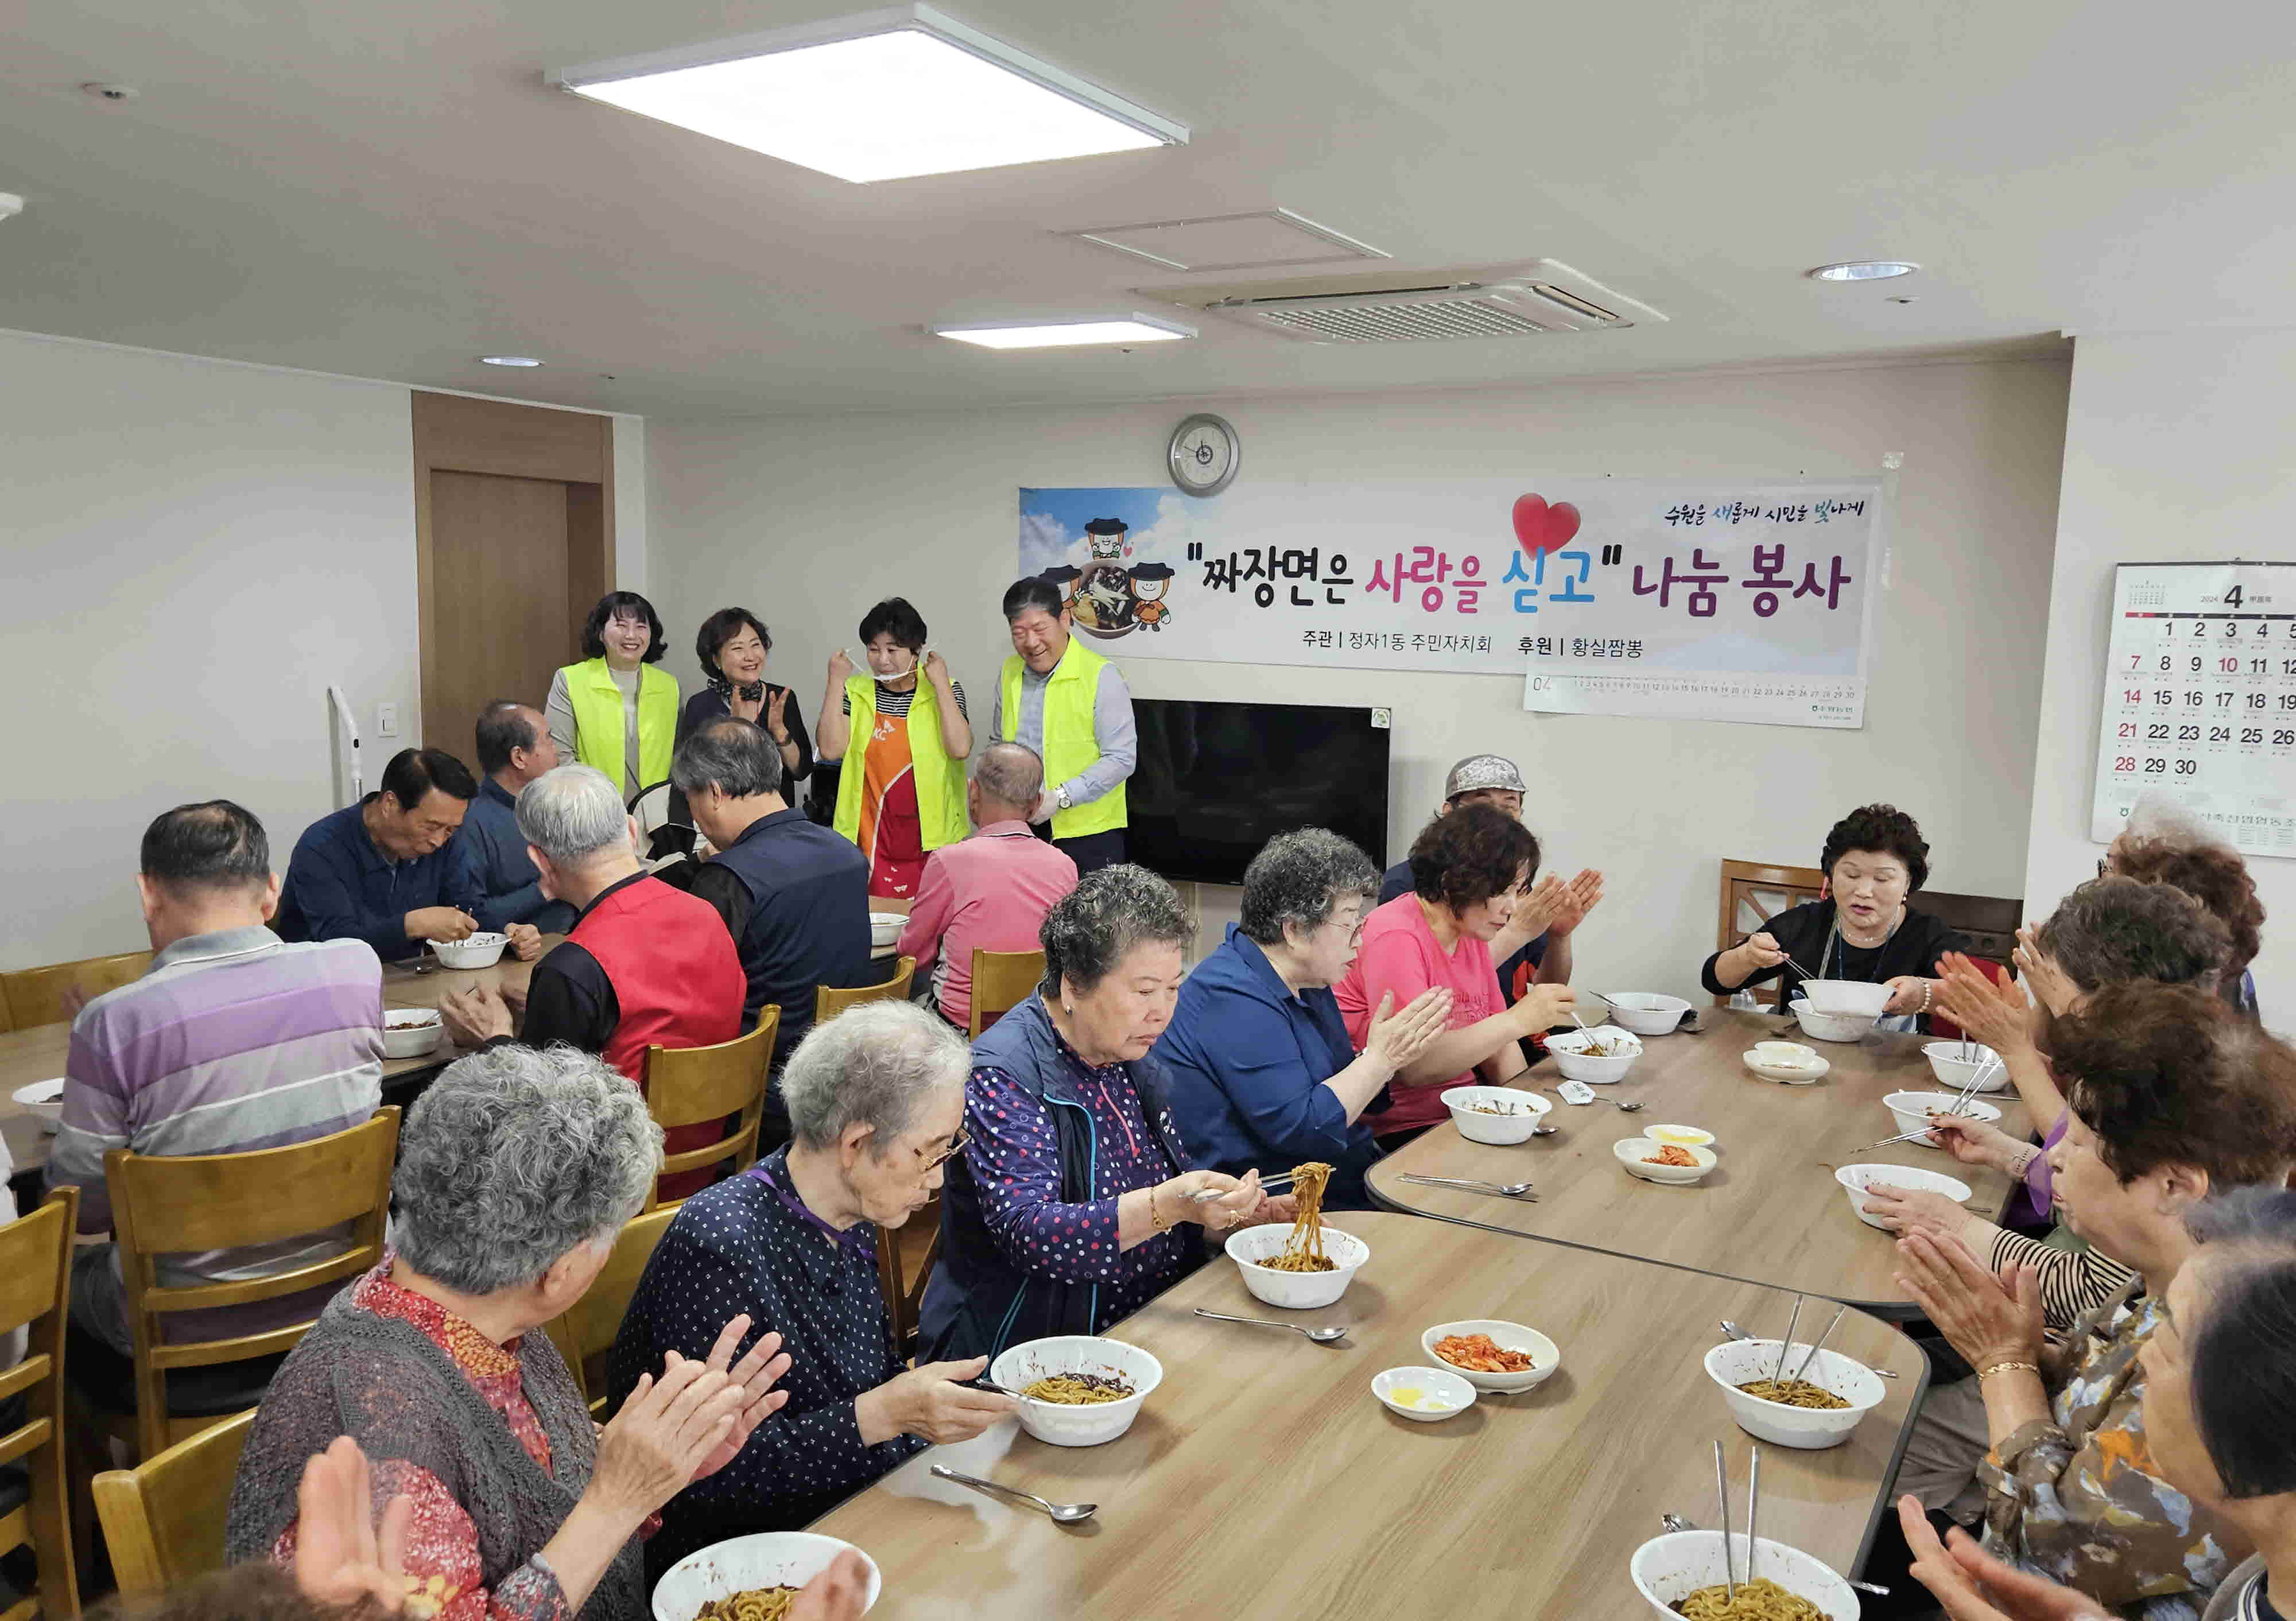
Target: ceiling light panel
[(1864, 270), (1062, 334), (884, 96)]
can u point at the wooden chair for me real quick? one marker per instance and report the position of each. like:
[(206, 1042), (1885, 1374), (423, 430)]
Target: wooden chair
[(1755, 891), (163, 1520), (35, 996), (691, 1086), (905, 1294), (1002, 980), (584, 1332), (169, 1205), (1989, 920), (36, 1254), (828, 1001)]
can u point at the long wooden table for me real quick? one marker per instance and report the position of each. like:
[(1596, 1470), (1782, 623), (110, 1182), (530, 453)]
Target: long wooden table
[(1769, 1213), (1262, 1477)]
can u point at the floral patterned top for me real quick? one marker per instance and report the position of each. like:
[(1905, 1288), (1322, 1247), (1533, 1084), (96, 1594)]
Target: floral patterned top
[(2077, 1497)]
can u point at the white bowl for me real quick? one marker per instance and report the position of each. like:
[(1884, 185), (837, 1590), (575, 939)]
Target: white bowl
[(1298, 1292), (410, 1032), (1952, 1069), (1024, 1364), (1855, 1179), (1788, 1062), (1737, 1362), (885, 928), (43, 1101), (1831, 1027), (1439, 1383), (1846, 996), (1681, 1136), (1913, 1110), (767, 1558), (481, 950), (1666, 1570), (1629, 1153), (1467, 1105), (1577, 1064), (1508, 1337), (1647, 1012)]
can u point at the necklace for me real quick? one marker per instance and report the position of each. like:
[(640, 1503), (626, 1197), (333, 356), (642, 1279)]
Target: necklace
[(1852, 938)]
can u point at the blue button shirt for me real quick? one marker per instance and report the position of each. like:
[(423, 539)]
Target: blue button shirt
[(1249, 1060), (340, 887), (496, 869)]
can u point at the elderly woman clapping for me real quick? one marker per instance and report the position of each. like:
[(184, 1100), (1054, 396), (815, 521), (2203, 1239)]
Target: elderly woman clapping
[(1067, 1210), (516, 1172), (1264, 1076), (876, 1103)]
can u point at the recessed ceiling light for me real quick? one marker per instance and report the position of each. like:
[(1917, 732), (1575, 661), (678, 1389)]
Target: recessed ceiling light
[(508, 360), (1060, 334), (1862, 270), (878, 97), (10, 205)]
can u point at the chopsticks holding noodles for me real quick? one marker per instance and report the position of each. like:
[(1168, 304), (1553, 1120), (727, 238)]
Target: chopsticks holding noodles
[(1267, 1184)]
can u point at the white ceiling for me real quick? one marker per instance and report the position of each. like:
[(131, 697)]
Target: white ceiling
[(388, 190)]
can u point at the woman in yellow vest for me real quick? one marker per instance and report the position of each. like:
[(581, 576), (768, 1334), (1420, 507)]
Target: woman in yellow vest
[(900, 792), (614, 710)]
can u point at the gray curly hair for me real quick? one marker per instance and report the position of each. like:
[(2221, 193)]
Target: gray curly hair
[(2113, 929), (514, 1156), (1301, 877), (1091, 928), (874, 1065)]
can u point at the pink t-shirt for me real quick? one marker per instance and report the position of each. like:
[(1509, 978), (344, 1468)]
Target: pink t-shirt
[(990, 891), (1400, 954)]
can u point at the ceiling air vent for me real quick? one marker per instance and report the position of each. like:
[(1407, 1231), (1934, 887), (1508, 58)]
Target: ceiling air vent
[(1514, 301)]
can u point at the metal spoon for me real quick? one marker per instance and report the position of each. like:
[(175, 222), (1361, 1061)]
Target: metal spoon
[(1062, 1513), (1322, 1335), (1504, 1190), (1675, 1522), (1731, 1331)]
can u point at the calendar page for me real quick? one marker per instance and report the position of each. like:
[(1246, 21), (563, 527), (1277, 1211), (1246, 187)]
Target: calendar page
[(2199, 699)]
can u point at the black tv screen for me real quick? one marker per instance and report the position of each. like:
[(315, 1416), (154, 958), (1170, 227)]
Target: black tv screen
[(1216, 781)]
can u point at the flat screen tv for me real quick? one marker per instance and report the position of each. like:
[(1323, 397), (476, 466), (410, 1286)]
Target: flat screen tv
[(1216, 781)]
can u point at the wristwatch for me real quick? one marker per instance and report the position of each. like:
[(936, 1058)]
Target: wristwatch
[(1061, 798)]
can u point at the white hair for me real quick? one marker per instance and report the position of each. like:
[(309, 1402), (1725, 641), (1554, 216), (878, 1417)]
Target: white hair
[(571, 813)]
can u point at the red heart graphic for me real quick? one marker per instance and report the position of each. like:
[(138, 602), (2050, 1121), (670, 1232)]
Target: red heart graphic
[(1540, 528)]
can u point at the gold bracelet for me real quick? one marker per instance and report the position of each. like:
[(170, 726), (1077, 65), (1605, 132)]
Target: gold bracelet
[(2007, 1367), (1154, 1215)]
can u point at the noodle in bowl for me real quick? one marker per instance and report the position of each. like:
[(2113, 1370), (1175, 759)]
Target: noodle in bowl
[(1252, 1246), (1666, 1570), (1738, 1361), (769, 1559), (1079, 1424)]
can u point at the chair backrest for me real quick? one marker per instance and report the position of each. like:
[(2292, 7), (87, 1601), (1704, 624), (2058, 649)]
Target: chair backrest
[(1755, 891), (904, 1289), (650, 805), (585, 1331), (828, 1001), (35, 996), (163, 1520), (173, 1204), (1989, 920), (1001, 982), (36, 1253), (687, 1086)]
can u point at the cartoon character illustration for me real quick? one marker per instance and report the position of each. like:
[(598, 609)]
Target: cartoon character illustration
[(1103, 598), (1150, 581)]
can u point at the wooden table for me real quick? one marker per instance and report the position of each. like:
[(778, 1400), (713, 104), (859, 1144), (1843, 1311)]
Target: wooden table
[(1263, 1478), (1770, 1212)]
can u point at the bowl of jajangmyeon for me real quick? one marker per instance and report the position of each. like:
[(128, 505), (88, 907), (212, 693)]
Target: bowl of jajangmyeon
[(1686, 1568), (1077, 1389), (1279, 1263), (751, 1578), (1812, 1408)]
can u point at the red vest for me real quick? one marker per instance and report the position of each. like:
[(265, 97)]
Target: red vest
[(675, 974)]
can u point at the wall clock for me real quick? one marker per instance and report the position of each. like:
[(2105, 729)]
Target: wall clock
[(1204, 453)]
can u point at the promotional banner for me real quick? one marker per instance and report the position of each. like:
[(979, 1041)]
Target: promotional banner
[(1707, 600)]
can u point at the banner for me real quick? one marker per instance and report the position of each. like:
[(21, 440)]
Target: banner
[(1747, 601)]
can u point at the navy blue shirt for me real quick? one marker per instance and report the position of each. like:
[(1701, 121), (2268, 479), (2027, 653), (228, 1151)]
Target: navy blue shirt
[(340, 887), (1248, 1062), (1396, 881), (751, 1245), (498, 870)]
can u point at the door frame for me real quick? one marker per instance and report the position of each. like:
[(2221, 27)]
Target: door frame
[(456, 433)]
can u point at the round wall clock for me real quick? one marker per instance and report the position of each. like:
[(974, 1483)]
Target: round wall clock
[(1204, 454)]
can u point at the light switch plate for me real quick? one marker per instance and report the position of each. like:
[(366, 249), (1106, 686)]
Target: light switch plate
[(386, 720)]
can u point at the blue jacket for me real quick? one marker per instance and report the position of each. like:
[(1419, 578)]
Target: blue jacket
[(341, 887), (498, 870), (978, 1302), (1248, 1062)]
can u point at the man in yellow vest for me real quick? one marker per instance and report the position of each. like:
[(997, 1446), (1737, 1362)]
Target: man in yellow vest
[(1070, 706)]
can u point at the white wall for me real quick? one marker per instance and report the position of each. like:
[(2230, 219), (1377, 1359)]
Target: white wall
[(2177, 449), (193, 550), (808, 521)]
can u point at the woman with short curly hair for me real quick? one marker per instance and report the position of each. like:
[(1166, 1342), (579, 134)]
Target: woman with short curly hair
[(1861, 926), (1469, 868), (2215, 875)]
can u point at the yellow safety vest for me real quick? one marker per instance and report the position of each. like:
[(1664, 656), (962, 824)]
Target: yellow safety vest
[(598, 728), (1071, 743), (941, 781)]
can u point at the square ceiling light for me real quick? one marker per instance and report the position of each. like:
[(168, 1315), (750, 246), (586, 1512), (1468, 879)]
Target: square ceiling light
[(1068, 333), (882, 95)]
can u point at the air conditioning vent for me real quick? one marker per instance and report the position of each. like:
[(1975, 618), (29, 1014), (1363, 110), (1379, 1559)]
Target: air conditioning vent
[(1513, 301)]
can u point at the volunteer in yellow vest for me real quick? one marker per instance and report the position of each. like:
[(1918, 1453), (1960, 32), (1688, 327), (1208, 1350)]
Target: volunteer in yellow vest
[(614, 711), (1068, 703), (900, 793)]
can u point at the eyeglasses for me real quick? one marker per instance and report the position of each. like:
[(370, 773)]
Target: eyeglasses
[(956, 1147), (2100, 866)]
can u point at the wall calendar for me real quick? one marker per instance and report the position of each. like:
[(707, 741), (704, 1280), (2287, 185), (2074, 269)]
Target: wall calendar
[(2199, 699)]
